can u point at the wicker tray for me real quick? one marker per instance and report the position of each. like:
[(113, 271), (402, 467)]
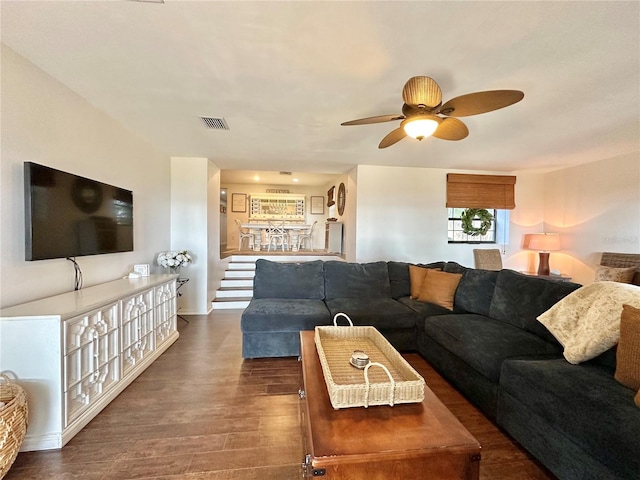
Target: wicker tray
[(387, 380)]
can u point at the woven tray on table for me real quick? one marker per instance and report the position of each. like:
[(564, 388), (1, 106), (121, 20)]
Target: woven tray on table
[(348, 386), (13, 422)]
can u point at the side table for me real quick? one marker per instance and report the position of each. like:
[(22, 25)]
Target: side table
[(179, 284), (562, 277)]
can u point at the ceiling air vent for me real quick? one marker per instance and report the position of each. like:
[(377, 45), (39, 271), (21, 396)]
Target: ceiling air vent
[(215, 123), (285, 173)]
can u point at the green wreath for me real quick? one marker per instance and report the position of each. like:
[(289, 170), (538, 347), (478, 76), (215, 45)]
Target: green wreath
[(469, 215)]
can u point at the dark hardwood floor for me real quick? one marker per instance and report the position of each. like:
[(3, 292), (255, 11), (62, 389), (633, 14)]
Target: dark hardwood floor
[(201, 412)]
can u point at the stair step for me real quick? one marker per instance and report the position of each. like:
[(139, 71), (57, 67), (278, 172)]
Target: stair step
[(236, 292), (241, 266), (236, 282), (239, 274), (230, 304)]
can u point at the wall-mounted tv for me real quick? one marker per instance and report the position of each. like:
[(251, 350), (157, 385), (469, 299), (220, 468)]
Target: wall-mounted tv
[(68, 216)]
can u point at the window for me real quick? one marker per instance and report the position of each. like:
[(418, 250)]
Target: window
[(456, 235)]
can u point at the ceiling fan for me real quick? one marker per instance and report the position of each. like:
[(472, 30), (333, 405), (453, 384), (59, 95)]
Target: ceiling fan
[(424, 115)]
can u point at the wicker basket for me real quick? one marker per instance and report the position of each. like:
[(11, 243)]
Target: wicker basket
[(13, 422), (395, 382)]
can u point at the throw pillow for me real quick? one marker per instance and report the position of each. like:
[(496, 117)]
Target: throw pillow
[(628, 352), (587, 321), (637, 399), (613, 274), (416, 277), (439, 288)]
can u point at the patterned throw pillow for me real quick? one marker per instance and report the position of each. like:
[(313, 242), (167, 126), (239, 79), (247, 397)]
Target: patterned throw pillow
[(628, 353), (612, 274), (439, 288)]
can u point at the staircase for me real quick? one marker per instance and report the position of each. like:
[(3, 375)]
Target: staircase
[(236, 288)]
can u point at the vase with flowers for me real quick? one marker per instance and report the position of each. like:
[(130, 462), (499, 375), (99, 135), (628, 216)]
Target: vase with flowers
[(174, 260)]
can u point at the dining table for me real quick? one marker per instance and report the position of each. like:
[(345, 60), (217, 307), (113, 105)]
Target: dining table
[(259, 231)]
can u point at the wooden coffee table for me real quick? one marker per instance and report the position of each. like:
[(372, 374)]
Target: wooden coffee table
[(410, 441)]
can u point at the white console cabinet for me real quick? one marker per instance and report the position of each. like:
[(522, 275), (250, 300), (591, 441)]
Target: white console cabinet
[(74, 353)]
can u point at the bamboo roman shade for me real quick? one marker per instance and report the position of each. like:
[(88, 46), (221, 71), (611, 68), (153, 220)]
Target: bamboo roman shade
[(481, 191)]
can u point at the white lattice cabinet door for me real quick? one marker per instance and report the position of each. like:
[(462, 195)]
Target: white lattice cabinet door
[(91, 366), (138, 339), (165, 312)]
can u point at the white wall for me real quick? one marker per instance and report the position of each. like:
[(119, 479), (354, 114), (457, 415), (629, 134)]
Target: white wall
[(596, 208), (195, 207), (401, 215), (45, 122)]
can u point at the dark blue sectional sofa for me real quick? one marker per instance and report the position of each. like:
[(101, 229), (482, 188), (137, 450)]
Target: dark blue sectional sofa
[(576, 419)]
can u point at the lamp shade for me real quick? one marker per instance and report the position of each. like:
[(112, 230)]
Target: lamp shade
[(544, 242)]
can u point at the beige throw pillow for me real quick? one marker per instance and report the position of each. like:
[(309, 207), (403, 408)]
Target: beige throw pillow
[(587, 321), (439, 288), (628, 353), (613, 274)]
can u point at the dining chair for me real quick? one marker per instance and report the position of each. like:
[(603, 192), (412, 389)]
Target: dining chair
[(308, 235), (487, 258), (277, 232), (242, 234)]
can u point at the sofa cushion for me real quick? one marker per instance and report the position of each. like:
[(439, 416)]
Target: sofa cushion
[(519, 299), (628, 360), (454, 267), (382, 313), (423, 309), (582, 402), (439, 288), (279, 315), (399, 279), (356, 280), (484, 343), (475, 291), (303, 280)]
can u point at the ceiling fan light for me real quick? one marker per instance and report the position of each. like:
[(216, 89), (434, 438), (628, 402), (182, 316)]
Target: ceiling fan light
[(421, 128)]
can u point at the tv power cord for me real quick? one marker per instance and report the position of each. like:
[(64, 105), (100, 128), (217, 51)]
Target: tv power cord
[(77, 285)]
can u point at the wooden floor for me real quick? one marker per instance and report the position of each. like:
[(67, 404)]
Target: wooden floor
[(201, 412)]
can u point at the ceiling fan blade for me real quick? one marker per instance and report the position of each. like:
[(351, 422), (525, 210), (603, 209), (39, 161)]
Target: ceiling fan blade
[(451, 129), (393, 137), (377, 119), (422, 91), (480, 102)]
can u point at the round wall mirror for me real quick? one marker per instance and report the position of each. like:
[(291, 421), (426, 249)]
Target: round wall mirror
[(342, 194)]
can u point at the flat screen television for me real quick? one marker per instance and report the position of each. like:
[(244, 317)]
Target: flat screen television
[(69, 216)]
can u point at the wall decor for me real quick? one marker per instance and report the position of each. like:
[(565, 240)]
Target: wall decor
[(317, 205), (239, 202), (330, 200), (342, 196)]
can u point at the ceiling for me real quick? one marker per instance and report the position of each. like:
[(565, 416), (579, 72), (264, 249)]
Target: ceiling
[(284, 75)]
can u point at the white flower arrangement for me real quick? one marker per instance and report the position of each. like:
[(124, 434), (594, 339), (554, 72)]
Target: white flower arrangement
[(174, 259)]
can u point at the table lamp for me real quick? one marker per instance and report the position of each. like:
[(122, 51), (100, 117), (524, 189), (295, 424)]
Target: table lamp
[(544, 243)]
